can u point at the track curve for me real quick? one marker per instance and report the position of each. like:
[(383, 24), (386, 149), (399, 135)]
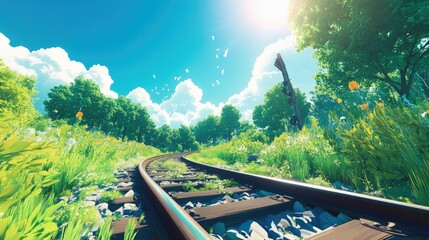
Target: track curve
[(408, 218)]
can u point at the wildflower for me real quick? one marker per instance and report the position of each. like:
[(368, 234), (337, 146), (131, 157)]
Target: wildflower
[(380, 104), (339, 100), (364, 106), (55, 111), (353, 85), (79, 115), (342, 118), (70, 143), (85, 126), (425, 113), (232, 133), (112, 139)]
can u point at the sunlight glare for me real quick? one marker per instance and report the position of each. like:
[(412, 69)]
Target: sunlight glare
[(268, 14)]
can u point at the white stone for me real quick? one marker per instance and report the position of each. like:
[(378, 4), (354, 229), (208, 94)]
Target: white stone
[(129, 194)]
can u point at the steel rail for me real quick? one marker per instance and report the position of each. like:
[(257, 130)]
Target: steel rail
[(178, 222), (411, 217)]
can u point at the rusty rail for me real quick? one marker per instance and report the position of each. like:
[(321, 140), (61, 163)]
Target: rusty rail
[(179, 224), (411, 217)]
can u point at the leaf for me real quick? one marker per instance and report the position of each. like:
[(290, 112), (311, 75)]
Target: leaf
[(4, 222)]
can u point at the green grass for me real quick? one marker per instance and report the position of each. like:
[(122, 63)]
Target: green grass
[(35, 174), (105, 232), (108, 196), (130, 234)]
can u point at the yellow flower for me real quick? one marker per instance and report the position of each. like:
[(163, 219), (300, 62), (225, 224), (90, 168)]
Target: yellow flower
[(112, 139), (380, 104), (339, 100), (427, 111), (353, 85), (79, 115), (364, 106), (85, 126)]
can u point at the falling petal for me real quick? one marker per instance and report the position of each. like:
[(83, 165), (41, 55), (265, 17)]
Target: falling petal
[(217, 55), (225, 54), (223, 71), (218, 49), (217, 66), (213, 37), (212, 84), (187, 70), (153, 76), (217, 81)]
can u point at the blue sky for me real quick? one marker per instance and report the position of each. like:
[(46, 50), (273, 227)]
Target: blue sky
[(145, 46)]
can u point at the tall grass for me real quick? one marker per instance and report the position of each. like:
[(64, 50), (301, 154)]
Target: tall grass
[(130, 234), (40, 167)]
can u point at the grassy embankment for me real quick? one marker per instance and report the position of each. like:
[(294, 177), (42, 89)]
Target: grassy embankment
[(37, 168), (384, 153)]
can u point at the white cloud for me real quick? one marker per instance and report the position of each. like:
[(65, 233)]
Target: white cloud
[(51, 67), (183, 107)]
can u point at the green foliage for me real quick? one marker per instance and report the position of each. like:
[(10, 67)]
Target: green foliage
[(186, 139), (105, 231), (121, 117), (129, 229), (31, 218), (34, 172), (206, 131), (255, 135), (108, 196), (229, 121), (274, 114), (390, 145), (213, 184), (361, 39), (74, 229), (175, 168), (16, 93)]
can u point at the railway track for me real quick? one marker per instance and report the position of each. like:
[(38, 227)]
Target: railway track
[(248, 206)]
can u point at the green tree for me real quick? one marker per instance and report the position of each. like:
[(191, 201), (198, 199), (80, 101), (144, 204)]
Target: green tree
[(275, 112), (164, 138), (187, 139), (207, 130), (15, 93), (229, 121), (383, 41), (58, 104), (87, 98)]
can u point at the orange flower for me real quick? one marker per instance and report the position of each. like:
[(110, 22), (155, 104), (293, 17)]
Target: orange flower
[(79, 115), (353, 85), (380, 104), (364, 106), (112, 139), (339, 100)]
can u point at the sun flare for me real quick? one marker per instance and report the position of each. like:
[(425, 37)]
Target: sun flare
[(268, 14)]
